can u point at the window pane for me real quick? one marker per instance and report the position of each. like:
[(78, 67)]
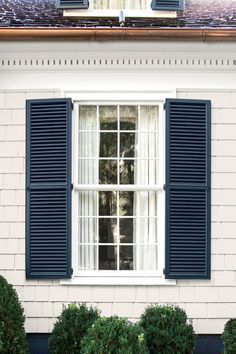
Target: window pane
[(87, 171), (149, 118), (108, 117), (146, 231), (128, 117), (87, 257), (147, 145), (87, 230), (87, 118), (107, 172), (118, 4), (146, 172), (126, 171), (87, 144), (108, 230), (146, 203), (107, 257), (126, 200), (127, 144), (146, 258), (108, 203), (108, 145), (87, 203), (126, 257), (126, 230)]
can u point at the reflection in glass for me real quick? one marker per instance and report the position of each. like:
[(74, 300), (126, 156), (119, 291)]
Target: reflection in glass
[(87, 118), (107, 203), (107, 230), (87, 257), (126, 230), (126, 200), (107, 171), (127, 144), (107, 257), (126, 258), (108, 117), (128, 117), (126, 171), (108, 144)]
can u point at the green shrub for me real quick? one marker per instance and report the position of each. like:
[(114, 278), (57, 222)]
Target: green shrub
[(167, 330), (114, 335), (229, 337), (70, 328), (12, 333)]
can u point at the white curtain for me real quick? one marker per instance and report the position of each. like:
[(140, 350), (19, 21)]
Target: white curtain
[(146, 173), (87, 174), (119, 4)]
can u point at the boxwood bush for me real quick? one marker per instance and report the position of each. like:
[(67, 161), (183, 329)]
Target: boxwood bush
[(12, 332), (114, 335), (167, 330), (229, 337), (70, 328)]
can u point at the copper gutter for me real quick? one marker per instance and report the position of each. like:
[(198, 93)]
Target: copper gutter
[(211, 34)]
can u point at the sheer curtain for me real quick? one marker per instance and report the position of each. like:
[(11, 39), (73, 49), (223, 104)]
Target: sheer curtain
[(145, 231), (119, 4), (87, 174)]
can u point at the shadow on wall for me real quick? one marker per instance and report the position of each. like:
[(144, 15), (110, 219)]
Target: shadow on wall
[(206, 344)]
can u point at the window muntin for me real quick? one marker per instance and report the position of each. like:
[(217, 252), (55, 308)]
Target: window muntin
[(118, 159)]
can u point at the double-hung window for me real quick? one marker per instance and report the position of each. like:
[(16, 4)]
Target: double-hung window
[(119, 189), (117, 223)]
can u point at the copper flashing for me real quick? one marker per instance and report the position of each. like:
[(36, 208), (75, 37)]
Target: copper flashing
[(211, 34)]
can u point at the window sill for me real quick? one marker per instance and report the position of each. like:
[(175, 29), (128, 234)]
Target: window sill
[(118, 280)]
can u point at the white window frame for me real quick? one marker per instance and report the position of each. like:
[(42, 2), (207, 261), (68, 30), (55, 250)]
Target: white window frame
[(113, 277)]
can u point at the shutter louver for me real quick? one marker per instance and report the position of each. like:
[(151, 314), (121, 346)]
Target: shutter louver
[(188, 142), (73, 4), (48, 188), (172, 5)]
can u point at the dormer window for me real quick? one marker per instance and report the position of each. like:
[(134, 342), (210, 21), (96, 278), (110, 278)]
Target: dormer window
[(111, 8)]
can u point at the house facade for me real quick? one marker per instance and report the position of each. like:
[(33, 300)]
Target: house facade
[(117, 155)]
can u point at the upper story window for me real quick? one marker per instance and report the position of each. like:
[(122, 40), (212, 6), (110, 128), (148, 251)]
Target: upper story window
[(119, 187), (129, 8)]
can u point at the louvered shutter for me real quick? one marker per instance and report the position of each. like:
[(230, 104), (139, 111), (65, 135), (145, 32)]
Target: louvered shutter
[(48, 188), (73, 4), (188, 151), (172, 5)]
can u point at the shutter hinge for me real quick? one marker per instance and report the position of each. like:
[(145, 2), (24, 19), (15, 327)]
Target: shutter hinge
[(71, 271), (72, 105), (164, 106), (72, 186), (164, 271), (164, 187)]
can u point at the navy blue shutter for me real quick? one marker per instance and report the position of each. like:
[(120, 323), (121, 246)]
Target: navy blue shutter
[(172, 5), (188, 179), (73, 4), (48, 188)]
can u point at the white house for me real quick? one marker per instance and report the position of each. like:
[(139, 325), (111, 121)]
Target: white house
[(117, 173)]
